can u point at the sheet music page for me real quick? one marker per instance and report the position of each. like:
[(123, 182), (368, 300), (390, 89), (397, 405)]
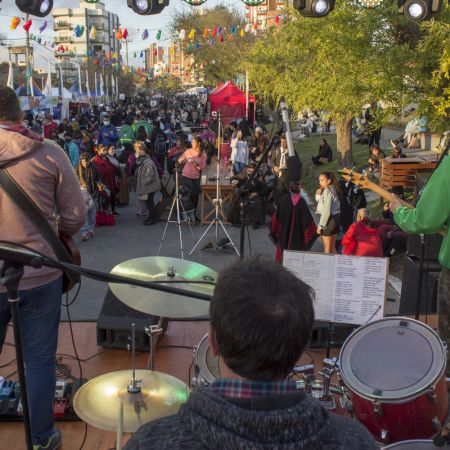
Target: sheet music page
[(359, 289), (315, 269)]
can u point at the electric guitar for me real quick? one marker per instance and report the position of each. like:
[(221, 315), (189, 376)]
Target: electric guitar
[(362, 180), (69, 281)]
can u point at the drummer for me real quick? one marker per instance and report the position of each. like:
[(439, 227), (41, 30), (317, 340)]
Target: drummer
[(261, 321)]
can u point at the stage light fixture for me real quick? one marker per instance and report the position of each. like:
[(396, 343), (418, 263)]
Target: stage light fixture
[(418, 10), (147, 7), (314, 8), (39, 8)]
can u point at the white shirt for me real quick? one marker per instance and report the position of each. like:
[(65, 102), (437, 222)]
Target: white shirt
[(239, 151)]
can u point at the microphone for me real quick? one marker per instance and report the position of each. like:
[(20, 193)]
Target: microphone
[(15, 255), (294, 165)]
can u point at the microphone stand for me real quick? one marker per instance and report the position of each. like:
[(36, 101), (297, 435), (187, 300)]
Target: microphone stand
[(244, 191), (11, 274)]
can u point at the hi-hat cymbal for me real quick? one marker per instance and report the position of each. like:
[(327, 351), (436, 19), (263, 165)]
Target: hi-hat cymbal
[(100, 400), (164, 304)]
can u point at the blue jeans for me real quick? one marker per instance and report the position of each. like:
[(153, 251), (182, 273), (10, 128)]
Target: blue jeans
[(238, 167), (89, 225), (40, 313)]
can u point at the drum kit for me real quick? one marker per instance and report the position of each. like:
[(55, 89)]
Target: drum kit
[(390, 374)]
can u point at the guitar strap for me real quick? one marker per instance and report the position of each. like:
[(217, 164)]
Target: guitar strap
[(33, 213)]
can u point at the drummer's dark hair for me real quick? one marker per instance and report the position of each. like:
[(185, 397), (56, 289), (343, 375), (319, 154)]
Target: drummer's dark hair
[(262, 316)]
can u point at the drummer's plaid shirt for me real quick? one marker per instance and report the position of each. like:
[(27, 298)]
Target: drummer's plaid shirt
[(250, 389)]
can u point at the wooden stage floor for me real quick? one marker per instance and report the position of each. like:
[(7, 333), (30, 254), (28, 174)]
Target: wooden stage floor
[(171, 358)]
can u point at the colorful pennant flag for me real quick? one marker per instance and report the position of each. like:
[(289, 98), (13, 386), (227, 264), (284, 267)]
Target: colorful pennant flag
[(43, 26), (15, 22)]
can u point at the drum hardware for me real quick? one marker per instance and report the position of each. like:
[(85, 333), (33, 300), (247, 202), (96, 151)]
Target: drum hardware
[(437, 425), (153, 331), (377, 409), (432, 394), (384, 436)]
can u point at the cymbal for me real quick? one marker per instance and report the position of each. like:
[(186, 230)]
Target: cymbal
[(164, 304), (99, 401)]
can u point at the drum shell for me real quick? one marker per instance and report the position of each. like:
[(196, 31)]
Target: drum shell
[(411, 419), (393, 369)]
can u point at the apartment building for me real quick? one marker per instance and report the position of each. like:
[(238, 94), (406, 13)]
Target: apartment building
[(265, 11), (87, 14), (154, 55)]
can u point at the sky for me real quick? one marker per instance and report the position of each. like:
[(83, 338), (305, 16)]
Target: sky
[(134, 23)]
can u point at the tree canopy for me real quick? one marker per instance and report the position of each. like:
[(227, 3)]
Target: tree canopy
[(221, 61), (430, 72), (337, 63)]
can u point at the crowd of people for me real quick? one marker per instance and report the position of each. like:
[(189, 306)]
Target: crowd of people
[(137, 146)]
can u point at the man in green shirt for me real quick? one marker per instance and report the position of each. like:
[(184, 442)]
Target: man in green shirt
[(431, 214)]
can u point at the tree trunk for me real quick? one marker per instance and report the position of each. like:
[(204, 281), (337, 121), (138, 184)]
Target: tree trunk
[(344, 140)]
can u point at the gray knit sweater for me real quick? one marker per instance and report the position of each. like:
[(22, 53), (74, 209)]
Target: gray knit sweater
[(287, 422)]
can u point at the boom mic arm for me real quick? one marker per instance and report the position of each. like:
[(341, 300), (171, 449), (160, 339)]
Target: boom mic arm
[(294, 165)]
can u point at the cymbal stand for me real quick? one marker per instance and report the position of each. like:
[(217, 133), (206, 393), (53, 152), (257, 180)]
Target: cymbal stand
[(178, 207), (132, 388), (218, 200), (153, 331)]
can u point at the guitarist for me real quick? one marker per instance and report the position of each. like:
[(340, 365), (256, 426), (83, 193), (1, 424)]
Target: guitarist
[(431, 213), (42, 169)]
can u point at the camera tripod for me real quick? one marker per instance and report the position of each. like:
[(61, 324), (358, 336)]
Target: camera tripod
[(217, 203), (178, 208)]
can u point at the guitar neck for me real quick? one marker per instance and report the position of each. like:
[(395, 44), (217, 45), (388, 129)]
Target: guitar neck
[(388, 196)]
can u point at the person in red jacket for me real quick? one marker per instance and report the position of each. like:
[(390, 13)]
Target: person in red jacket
[(362, 238), (49, 127)]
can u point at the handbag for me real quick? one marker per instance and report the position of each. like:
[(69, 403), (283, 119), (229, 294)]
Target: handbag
[(63, 245)]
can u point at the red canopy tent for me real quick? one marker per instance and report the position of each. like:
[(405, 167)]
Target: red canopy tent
[(231, 102)]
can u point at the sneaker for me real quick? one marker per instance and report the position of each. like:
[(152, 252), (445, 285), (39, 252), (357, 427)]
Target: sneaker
[(91, 233), (54, 442), (85, 236)]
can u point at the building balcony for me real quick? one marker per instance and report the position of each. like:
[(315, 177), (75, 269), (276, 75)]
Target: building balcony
[(61, 25)]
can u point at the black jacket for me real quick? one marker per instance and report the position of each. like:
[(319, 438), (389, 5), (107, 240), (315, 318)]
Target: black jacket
[(285, 422)]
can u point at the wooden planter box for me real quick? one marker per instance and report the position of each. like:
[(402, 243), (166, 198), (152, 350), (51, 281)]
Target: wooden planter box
[(402, 171)]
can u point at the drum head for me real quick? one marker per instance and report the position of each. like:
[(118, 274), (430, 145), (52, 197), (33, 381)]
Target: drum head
[(412, 445), (392, 359), (207, 364)]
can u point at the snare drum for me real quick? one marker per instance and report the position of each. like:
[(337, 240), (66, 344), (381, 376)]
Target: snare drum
[(205, 364), (394, 370), (418, 444)]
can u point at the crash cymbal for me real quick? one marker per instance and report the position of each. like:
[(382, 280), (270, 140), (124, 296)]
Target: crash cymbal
[(99, 401), (164, 304)]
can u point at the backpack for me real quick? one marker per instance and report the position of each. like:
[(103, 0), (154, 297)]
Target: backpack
[(160, 146)]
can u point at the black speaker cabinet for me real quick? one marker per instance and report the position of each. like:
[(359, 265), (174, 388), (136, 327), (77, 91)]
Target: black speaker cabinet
[(410, 281), (114, 324), (433, 242)]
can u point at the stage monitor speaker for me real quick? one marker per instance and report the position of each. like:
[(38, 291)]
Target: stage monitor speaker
[(114, 324), (433, 242), (410, 280)]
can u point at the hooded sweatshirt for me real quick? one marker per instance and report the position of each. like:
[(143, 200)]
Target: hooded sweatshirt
[(284, 422), (44, 172)]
